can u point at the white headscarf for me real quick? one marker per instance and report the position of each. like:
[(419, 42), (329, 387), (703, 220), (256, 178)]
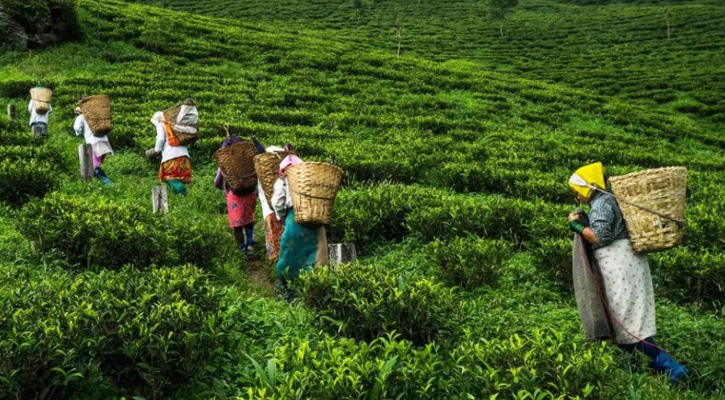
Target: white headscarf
[(157, 118)]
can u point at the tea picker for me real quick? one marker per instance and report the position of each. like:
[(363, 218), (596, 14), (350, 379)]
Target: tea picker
[(237, 177), (304, 195), (93, 123), (176, 128), (612, 281), (39, 108)]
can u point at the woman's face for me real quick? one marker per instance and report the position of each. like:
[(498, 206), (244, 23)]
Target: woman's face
[(582, 199)]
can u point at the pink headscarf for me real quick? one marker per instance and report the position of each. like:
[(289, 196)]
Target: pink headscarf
[(288, 161)]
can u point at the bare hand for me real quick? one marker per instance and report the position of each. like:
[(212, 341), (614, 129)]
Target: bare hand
[(573, 216)]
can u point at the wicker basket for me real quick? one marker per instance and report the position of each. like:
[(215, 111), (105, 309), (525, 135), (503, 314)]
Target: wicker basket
[(97, 112), (267, 167), (237, 164), (661, 190), (41, 99), (184, 138), (313, 187)]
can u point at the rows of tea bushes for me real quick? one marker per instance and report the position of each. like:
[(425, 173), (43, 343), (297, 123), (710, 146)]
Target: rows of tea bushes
[(619, 49), (455, 196), (389, 119)]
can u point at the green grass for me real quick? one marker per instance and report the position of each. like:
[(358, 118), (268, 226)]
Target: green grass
[(437, 148)]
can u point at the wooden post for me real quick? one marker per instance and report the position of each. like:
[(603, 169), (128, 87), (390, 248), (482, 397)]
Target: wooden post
[(160, 199), (12, 112), (85, 157), (341, 253)]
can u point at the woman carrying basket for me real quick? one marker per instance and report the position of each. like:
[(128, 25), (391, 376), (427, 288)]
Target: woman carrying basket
[(240, 207), (99, 144), (39, 121), (301, 246), (612, 283), (175, 167)]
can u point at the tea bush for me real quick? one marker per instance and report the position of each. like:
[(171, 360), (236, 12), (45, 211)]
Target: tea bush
[(21, 180), (544, 364), (366, 302), (470, 262), (97, 232), (94, 334)]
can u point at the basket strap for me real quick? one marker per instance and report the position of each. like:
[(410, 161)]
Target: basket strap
[(315, 197), (680, 222)]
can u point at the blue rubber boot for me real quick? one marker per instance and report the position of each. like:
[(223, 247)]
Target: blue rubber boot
[(102, 176), (667, 365), (250, 238)]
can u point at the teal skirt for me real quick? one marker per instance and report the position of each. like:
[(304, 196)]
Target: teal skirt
[(298, 248)]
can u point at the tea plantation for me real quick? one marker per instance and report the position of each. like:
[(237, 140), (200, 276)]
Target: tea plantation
[(456, 157), (614, 47)]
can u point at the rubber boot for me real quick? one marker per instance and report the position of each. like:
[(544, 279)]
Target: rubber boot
[(239, 238), (102, 176), (667, 365), (250, 238)]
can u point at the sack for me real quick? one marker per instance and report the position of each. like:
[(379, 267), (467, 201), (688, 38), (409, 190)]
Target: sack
[(41, 99), (182, 123), (97, 112)]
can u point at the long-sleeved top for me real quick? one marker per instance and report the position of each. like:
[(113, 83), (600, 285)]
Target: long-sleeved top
[(35, 117), (167, 151), (81, 128), (281, 199), (606, 221), (266, 208)]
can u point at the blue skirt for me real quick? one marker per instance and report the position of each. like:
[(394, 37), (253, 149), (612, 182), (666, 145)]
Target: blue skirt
[(300, 248)]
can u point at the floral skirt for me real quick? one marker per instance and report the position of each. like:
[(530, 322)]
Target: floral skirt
[(178, 169), (273, 229), (240, 209)]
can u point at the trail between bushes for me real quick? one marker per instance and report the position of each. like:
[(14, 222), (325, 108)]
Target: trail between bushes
[(260, 276)]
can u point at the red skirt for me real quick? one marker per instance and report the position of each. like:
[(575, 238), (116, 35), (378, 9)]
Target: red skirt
[(178, 168), (241, 208)]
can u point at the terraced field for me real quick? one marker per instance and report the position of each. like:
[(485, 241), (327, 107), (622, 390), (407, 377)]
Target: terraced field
[(615, 49), (454, 195)]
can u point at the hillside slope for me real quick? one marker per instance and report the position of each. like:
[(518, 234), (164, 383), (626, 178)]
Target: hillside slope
[(451, 171), (615, 49)]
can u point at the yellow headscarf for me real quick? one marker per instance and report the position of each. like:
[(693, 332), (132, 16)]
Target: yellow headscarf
[(586, 176)]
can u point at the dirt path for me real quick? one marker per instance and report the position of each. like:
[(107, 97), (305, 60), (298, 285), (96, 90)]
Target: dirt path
[(260, 276)]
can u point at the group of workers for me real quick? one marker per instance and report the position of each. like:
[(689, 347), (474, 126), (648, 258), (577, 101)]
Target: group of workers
[(613, 284)]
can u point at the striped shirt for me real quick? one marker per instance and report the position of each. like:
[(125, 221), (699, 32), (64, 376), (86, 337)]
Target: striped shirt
[(605, 220)]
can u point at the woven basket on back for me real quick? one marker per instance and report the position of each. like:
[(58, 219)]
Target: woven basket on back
[(97, 112), (237, 164), (661, 190), (41, 99), (313, 187), (267, 167), (184, 138)]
